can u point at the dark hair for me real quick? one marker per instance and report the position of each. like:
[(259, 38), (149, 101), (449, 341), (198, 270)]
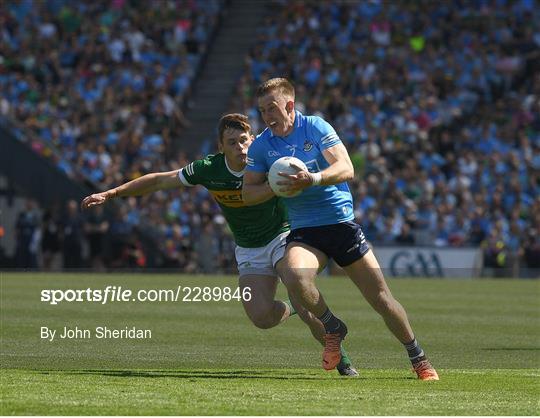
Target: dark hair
[(233, 121), (282, 84)]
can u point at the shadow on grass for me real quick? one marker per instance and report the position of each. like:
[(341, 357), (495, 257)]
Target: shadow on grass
[(214, 374), (511, 349)]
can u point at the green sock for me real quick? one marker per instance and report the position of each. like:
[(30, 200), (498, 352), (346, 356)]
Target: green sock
[(345, 360), (291, 308)]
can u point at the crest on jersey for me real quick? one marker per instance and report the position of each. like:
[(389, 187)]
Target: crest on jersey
[(307, 145)]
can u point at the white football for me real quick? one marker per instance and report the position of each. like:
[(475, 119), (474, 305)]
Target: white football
[(283, 165)]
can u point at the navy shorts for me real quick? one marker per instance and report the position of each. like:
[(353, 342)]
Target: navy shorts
[(344, 242)]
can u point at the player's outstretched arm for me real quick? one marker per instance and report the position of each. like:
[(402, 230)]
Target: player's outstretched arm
[(256, 189), (141, 186)]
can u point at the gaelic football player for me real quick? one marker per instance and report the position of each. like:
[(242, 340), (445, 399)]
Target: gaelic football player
[(322, 219)]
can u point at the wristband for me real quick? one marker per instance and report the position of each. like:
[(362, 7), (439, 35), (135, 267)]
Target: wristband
[(316, 178)]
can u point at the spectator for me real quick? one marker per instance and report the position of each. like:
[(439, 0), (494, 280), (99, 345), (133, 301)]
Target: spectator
[(495, 254), (532, 252), (28, 236), (120, 232), (405, 237), (207, 249), (72, 236), (51, 242), (96, 227)]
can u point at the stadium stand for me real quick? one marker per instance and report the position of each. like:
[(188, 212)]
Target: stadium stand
[(437, 102), (103, 102)]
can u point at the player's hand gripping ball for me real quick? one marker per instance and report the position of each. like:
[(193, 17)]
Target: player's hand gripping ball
[(287, 165)]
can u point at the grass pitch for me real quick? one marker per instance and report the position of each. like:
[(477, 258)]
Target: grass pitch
[(207, 359)]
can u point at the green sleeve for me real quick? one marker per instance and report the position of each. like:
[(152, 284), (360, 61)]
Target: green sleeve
[(194, 173)]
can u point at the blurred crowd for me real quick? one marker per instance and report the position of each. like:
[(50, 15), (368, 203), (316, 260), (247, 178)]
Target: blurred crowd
[(437, 102), (101, 84), (66, 238), (99, 88)]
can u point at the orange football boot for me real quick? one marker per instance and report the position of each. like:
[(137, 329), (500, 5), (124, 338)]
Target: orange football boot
[(332, 348), (425, 370)]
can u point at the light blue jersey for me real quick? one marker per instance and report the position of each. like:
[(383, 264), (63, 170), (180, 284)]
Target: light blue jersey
[(316, 205)]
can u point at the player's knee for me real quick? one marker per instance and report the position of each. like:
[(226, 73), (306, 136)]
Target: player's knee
[(261, 316), (294, 287), (290, 278), (297, 283), (262, 321)]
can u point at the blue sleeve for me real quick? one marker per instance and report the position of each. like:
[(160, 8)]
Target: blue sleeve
[(256, 160), (322, 133)]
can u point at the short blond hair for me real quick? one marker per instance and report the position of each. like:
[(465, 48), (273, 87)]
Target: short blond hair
[(284, 86)]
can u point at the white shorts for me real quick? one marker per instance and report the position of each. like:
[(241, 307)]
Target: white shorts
[(261, 260)]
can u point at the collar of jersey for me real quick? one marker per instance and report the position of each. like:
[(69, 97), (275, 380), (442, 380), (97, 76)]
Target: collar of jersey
[(297, 117), (234, 173)]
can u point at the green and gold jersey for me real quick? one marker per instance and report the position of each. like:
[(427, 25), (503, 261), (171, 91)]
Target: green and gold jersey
[(252, 226)]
